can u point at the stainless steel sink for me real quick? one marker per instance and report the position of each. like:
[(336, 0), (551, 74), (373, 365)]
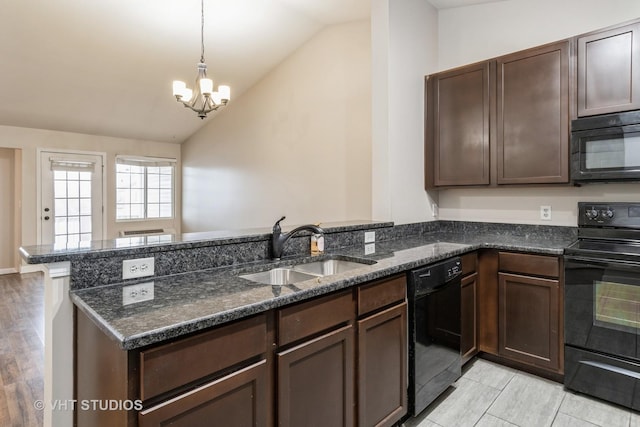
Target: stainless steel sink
[(278, 276), (328, 267), (300, 272)]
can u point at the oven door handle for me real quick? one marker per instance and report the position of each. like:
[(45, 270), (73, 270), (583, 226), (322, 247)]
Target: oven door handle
[(611, 368), (601, 262)]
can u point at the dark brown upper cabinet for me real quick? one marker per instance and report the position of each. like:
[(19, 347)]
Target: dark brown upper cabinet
[(504, 121), (533, 116), (609, 70), (457, 127)]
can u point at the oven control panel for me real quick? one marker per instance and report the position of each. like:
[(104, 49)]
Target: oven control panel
[(614, 214)]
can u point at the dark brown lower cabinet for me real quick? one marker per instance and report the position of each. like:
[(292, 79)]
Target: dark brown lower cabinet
[(468, 311), (529, 320), (239, 399), (382, 367), (316, 381), (292, 366)]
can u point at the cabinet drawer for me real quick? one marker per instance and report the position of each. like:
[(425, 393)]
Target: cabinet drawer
[(245, 391), (373, 296), (537, 265), (308, 318), (173, 365), (469, 263)]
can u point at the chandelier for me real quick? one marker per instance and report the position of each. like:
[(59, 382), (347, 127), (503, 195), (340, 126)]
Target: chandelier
[(204, 100)]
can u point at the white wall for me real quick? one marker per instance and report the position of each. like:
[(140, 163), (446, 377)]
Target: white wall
[(404, 45), (474, 33), (478, 32), (298, 143), (29, 140)]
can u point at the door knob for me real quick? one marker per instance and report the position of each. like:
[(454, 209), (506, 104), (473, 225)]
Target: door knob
[(46, 218), (46, 209)]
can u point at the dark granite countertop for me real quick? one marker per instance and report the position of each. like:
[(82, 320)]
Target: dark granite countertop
[(189, 302), (135, 245)]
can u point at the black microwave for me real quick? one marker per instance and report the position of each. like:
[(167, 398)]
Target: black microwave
[(606, 148)]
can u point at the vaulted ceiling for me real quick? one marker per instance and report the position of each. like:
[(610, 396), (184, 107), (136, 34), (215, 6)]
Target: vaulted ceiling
[(105, 67)]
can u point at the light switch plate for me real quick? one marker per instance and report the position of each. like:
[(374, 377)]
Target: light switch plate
[(140, 267), (369, 236), (137, 293)]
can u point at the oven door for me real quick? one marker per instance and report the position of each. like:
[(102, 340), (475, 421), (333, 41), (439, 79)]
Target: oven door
[(602, 305)]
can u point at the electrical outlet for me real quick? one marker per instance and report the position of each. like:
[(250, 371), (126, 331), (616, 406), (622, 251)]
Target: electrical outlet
[(141, 267), (434, 210), (137, 293), (545, 213), (370, 248), (369, 236)]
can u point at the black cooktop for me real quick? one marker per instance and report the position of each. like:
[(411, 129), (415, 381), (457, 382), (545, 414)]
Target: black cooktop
[(608, 231)]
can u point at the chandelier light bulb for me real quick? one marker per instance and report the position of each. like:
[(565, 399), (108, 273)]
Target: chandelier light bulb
[(186, 95), (206, 86), (225, 92), (179, 88)]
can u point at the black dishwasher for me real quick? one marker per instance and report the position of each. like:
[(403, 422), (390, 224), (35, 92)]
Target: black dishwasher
[(435, 361)]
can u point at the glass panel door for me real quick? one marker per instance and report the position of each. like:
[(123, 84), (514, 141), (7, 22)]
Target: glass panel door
[(71, 203)]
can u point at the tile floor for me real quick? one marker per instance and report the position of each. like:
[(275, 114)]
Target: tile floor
[(491, 395)]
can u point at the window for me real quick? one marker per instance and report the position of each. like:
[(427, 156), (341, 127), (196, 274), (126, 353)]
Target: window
[(144, 188), (72, 200)]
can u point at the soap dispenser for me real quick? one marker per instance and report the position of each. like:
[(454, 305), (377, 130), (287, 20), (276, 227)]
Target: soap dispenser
[(317, 242)]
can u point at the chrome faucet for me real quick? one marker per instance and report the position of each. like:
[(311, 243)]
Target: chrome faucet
[(278, 238)]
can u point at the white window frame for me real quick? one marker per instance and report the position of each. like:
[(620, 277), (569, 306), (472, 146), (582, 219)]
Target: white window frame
[(145, 162)]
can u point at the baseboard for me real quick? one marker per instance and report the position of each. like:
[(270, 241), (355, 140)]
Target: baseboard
[(8, 270)]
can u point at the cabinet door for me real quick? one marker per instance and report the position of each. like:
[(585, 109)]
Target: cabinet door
[(457, 136), (533, 116), (316, 381), (239, 399), (609, 71), (382, 367), (529, 319), (468, 330)]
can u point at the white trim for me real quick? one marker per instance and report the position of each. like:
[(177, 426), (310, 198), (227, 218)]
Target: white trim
[(105, 207), (145, 161), (8, 271), (31, 268)]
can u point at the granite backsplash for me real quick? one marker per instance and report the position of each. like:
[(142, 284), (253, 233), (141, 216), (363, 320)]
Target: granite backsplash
[(103, 266)]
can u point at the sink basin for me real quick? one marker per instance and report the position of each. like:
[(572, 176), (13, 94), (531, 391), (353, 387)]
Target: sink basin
[(278, 276), (328, 267), (300, 272)]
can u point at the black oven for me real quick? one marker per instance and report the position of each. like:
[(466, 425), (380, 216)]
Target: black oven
[(606, 148), (602, 304)]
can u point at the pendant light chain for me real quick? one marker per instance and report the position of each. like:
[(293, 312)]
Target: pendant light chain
[(202, 31)]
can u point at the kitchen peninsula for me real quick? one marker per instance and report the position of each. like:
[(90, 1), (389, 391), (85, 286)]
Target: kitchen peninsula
[(197, 291)]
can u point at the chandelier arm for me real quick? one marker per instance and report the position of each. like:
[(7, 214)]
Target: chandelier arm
[(202, 110)]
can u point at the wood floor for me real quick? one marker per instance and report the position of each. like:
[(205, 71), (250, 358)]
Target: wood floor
[(21, 349)]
